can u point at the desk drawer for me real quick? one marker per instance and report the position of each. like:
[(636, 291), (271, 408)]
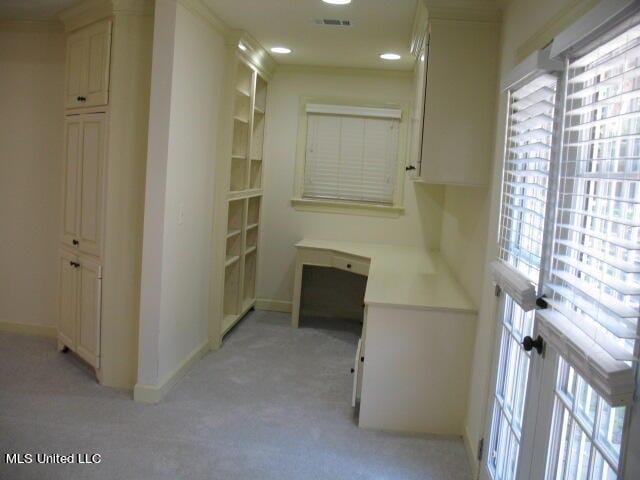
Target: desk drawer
[(350, 264)]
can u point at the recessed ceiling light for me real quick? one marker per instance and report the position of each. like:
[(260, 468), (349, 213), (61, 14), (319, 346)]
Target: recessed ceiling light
[(242, 47), (281, 50), (390, 56), (337, 2)]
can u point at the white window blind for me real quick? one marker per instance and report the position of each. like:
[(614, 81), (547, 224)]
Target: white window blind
[(350, 157), (524, 187), (594, 288)]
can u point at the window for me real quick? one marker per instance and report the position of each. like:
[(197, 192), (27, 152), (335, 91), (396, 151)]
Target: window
[(570, 224), (522, 220), (351, 154)]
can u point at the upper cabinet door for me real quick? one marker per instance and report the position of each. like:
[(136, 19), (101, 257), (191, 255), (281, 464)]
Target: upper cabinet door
[(88, 55), (72, 169), (89, 310), (92, 183)]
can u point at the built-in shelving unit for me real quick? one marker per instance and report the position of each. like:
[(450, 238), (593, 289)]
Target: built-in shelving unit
[(244, 192)]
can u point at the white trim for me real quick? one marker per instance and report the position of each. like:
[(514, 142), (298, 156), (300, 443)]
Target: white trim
[(351, 110), (536, 64), (346, 207), (591, 24), (284, 306), (147, 393), (514, 283), (37, 329), (613, 380)]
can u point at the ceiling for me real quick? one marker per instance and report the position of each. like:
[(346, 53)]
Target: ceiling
[(32, 9), (378, 26)]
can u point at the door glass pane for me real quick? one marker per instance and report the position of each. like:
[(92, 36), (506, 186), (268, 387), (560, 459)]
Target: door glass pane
[(587, 431), (511, 384)]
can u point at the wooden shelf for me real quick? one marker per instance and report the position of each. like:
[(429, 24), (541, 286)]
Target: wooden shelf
[(231, 259), (242, 93), (230, 320), (244, 193)]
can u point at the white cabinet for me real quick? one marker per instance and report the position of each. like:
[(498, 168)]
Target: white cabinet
[(68, 284), (88, 55), (83, 182), (80, 305), (455, 96)]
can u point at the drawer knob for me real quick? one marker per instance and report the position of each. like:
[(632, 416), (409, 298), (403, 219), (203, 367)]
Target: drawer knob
[(82, 99), (409, 167), (352, 370), (75, 242), (348, 265)]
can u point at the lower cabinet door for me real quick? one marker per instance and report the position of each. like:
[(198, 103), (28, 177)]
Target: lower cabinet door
[(89, 310), (68, 298), (357, 373)]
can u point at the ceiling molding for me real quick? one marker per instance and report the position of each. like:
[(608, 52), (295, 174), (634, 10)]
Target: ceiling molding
[(90, 11), (463, 10), (197, 7), (347, 71), (255, 54)]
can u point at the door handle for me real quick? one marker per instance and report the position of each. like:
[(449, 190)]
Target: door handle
[(529, 344)]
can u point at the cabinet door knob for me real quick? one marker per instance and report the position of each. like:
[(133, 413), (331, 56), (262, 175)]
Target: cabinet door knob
[(348, 265), (529, 344), (74, 264), (82, 99), (409, 167), (75, 242), (352, 370)]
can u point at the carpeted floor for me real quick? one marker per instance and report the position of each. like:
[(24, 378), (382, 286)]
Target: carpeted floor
[(272, 403)]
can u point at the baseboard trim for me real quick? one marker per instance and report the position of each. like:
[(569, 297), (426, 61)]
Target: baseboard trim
[(29, 329), (472, 455), (273, 305), (147, 393)]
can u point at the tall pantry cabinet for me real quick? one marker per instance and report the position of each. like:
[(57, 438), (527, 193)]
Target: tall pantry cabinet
[(108, 70), (239, 186)]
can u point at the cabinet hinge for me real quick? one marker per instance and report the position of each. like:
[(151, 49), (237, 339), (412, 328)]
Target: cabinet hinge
[(480, 449)]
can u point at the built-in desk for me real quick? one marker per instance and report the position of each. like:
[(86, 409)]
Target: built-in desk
[(411, 372)]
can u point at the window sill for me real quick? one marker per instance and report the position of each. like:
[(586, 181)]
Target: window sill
[(346, 207)]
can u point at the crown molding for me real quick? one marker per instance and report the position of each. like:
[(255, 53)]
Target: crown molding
[(254, 53), (198, 7), (464, 10), (90, 11)]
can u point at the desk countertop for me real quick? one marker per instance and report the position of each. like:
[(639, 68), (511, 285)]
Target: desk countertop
[(403, 276)]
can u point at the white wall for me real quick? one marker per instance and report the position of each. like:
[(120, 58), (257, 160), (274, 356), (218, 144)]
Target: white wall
[(282, 225), (521, 20), (187, 81), (31, 123)]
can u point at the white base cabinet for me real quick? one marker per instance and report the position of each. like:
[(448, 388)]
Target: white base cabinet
[(80, 305)]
